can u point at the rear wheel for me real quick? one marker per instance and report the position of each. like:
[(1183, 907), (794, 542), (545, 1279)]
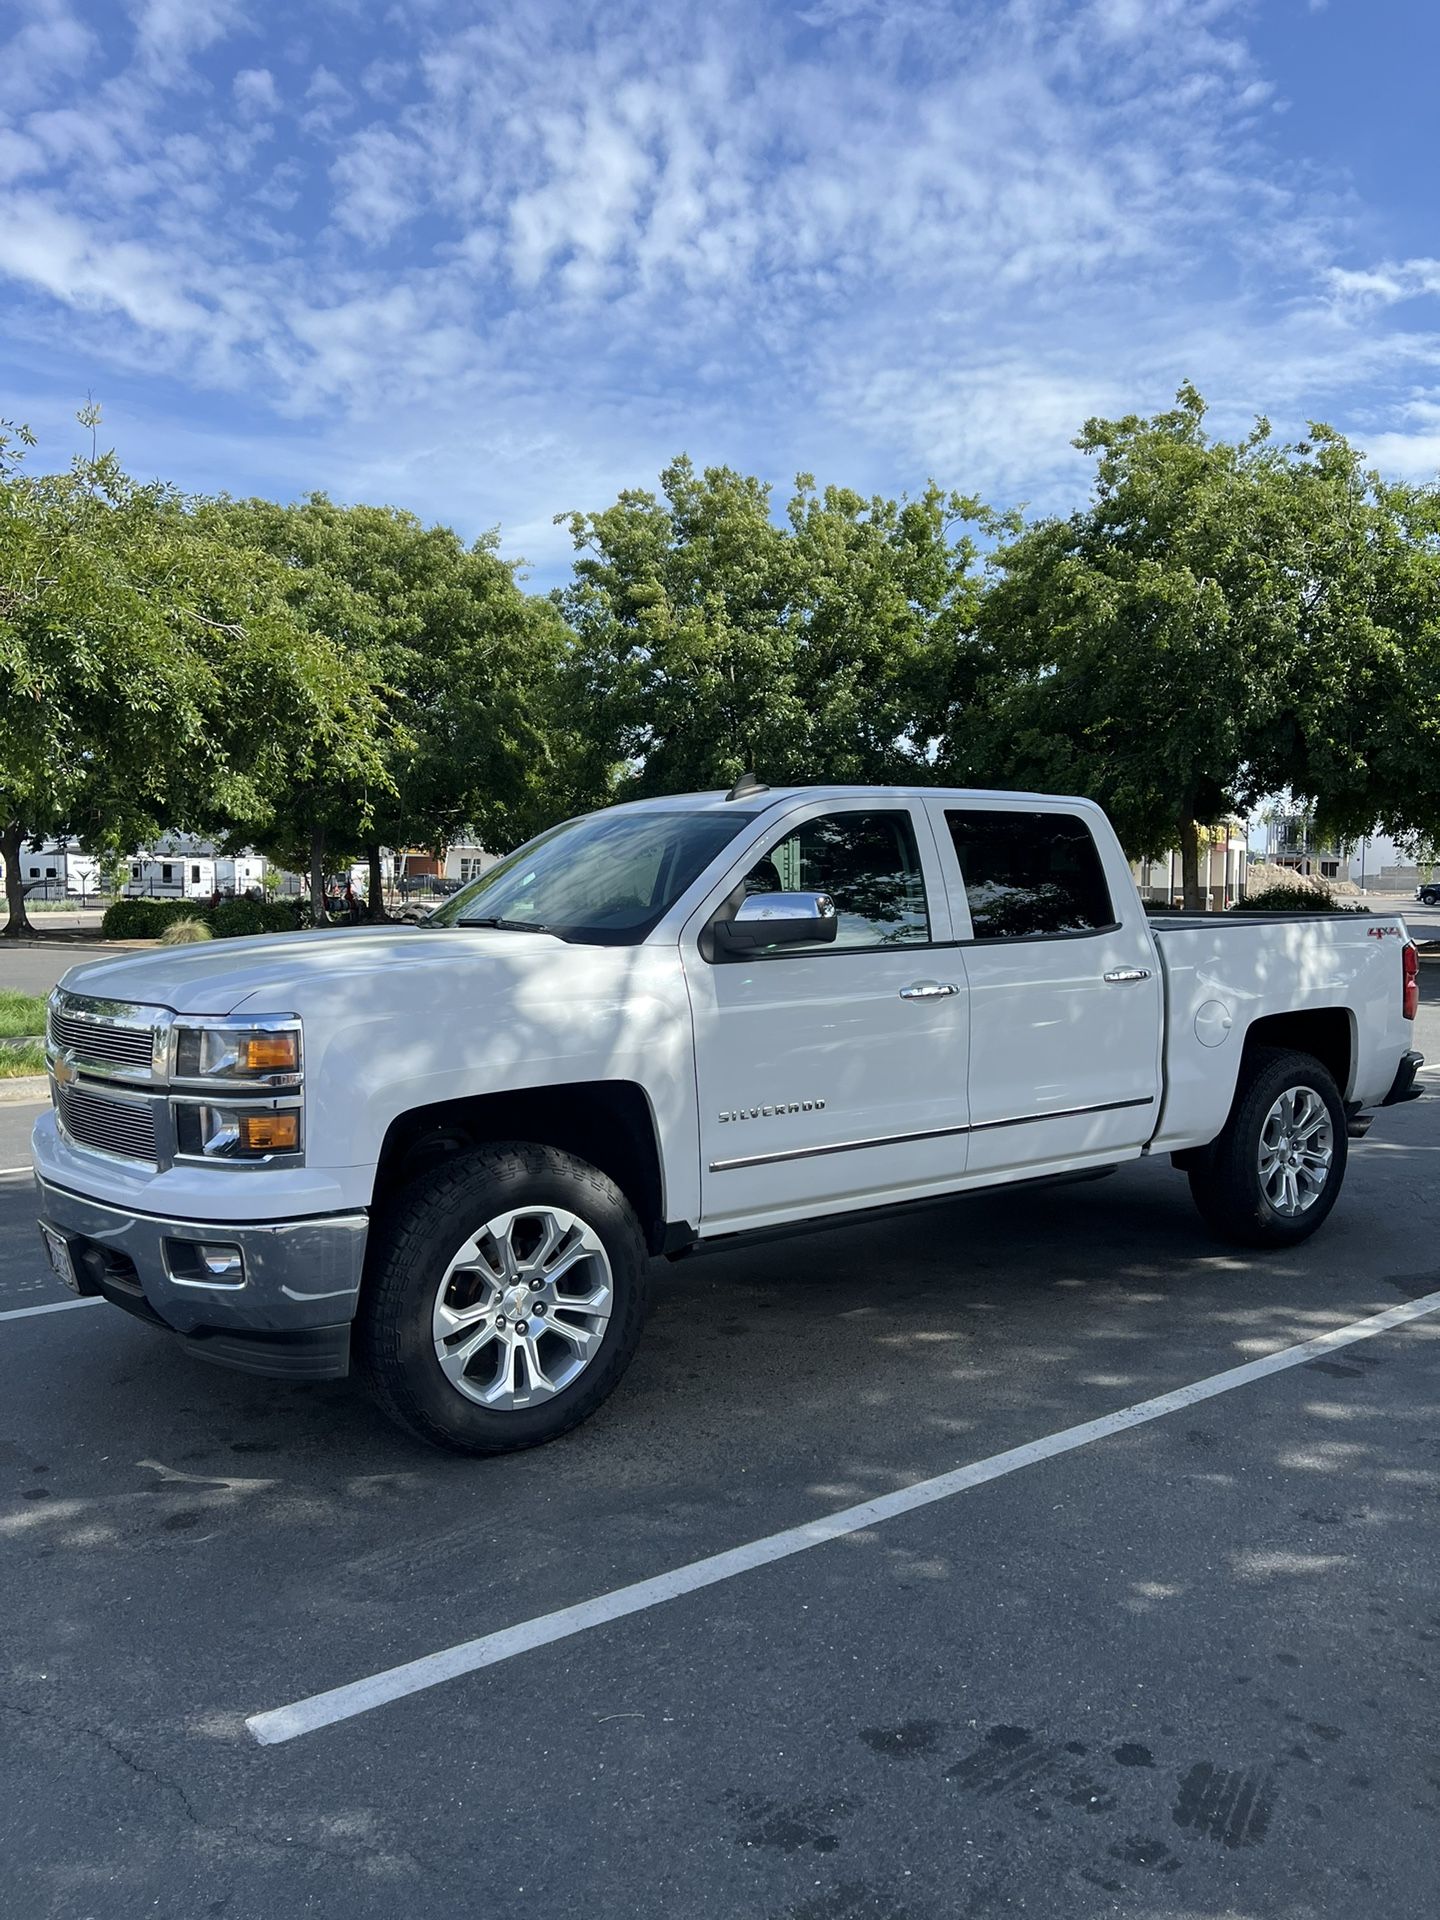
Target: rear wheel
[(1275, 1172), (504, 1298)]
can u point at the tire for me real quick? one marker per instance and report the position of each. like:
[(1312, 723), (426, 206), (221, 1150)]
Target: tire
[(453, 1225), (1227, 1180)]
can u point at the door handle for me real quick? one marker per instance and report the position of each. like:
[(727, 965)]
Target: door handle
[(928, 989), (1118, 976)]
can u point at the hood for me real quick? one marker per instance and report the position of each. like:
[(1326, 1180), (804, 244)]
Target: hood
[(215, 977)]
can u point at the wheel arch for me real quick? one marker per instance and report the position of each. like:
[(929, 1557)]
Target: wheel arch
[(1327, 1033), (609, 1123)]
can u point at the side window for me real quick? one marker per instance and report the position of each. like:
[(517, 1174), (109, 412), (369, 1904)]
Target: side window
[(1028, 874), (869, 865)]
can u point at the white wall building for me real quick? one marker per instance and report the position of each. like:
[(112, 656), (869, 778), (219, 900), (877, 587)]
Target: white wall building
[(182, 866), (58, 869)]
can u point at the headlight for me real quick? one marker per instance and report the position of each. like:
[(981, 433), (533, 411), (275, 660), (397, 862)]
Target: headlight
[(253, 1053), (247, 1132)]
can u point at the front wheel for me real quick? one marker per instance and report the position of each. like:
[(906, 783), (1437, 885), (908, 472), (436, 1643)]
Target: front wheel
[(1275, 1172), (504, 1297)]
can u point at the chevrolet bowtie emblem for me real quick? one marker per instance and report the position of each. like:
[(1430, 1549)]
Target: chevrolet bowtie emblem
[(65, 1069)]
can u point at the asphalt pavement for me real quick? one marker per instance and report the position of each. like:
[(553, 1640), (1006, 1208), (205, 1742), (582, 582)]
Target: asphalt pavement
[(1186, 1669)]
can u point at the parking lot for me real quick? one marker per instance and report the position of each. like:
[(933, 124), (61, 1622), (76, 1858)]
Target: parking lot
[(1182, 1667)]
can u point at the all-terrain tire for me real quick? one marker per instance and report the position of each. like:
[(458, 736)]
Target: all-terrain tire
[(1225, 1179), (413, 1242)]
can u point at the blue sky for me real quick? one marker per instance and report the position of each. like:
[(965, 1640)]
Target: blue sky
[(493, 263)]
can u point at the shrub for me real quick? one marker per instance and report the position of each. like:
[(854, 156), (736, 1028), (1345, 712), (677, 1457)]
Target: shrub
[(1290, 899), (145, 919), (152, 919), (245, 915), (185, 933)]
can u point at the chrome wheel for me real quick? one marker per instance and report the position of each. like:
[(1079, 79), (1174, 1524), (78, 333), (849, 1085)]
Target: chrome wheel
[(1297, 1149), (523, 1308)]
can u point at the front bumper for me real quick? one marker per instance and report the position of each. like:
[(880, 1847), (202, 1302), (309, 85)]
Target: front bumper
[(288, 1314)]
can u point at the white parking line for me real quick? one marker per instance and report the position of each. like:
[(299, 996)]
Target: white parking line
[(54, 1306), (4, 1170), (360, 1696)]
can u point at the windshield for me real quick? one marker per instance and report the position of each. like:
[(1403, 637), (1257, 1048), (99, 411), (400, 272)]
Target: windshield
[(604, 880)]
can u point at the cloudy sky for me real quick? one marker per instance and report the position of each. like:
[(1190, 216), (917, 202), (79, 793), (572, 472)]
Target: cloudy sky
[(492, 262)]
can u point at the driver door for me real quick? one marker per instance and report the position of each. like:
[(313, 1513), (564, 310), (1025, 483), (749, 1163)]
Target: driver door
[(833, 1076)]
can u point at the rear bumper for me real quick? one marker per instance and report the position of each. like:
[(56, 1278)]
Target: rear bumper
[(1403, 1086), (287, 1314)]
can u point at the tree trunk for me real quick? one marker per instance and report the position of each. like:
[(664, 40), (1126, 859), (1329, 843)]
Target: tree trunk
[(376, 900), (1195, 901), (317, 876), (11, 839)]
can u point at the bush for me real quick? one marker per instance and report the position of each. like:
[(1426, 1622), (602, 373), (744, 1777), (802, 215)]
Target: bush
[(185, 933), (1290, 899), (146, 919), (245, 915), (152, 919)]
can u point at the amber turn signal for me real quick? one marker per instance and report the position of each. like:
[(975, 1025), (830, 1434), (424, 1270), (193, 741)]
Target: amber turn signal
[(270, 1052), (270, 1132)]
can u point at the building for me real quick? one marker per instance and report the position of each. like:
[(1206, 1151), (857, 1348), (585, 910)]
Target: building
[(183, 866), (466, 861), (1224, 861), (1292, 842), (57, 870)]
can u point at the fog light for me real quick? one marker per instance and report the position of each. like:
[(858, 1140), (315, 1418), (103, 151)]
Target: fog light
[(270, 1132), (222, 1263)]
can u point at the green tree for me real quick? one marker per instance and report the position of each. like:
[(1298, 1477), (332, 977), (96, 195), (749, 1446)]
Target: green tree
[(711, 639), (150, 673), (1224, 620), (459, 659)]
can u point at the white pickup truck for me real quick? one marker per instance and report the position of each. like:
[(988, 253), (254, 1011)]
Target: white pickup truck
[(449, 1153)]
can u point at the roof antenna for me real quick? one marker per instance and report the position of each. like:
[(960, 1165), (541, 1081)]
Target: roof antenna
[(745, 786)]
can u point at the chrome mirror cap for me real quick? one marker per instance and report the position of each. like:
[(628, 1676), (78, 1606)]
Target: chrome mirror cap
[(763, 920)]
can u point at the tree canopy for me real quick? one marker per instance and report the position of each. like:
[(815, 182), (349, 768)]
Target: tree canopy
[(1222, 620)]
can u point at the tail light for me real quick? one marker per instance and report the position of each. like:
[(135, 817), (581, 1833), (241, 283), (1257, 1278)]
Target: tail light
[(1410, 975)]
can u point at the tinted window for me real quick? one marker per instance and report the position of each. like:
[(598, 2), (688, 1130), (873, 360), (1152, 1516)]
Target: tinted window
[(604, 880), (1030, 873), (867, 863)]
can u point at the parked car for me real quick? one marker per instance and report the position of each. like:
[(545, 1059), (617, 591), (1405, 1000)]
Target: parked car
[(446, 1155), (1429, 893)]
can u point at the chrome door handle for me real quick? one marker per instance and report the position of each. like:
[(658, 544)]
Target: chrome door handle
[(1118, 975), (928, 989)]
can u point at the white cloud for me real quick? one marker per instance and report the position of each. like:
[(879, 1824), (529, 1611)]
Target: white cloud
[(560, 242), (52, 46), (255, 91)]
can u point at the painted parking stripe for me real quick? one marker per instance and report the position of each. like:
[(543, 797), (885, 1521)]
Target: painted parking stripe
[(4, 1170), (361, 1696), (53, 1306)]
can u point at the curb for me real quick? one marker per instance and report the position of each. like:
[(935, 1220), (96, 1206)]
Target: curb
[(25, 1087)]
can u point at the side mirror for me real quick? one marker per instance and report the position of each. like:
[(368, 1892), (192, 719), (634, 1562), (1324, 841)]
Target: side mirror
[(774, 920)]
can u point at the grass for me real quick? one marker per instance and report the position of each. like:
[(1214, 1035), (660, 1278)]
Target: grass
[(22, 1015), (17, 1061)]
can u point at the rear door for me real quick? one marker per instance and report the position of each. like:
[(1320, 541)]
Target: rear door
[(1065, 997), (833, 1076)]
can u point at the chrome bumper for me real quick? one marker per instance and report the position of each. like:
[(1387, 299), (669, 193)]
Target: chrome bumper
[(288, 1313)]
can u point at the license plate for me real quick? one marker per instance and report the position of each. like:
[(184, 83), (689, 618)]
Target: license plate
[(58, 1248)]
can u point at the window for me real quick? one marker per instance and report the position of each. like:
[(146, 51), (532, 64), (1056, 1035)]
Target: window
[(134, 869), (1029, 874), (194, 876), (868, 864), (167, 873), (604, 880)]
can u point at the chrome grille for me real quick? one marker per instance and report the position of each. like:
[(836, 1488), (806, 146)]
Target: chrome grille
[(90, 1040), (126, 1127)]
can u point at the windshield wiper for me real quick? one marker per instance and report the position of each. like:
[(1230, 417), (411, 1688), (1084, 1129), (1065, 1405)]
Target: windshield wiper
[(507, 926)]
